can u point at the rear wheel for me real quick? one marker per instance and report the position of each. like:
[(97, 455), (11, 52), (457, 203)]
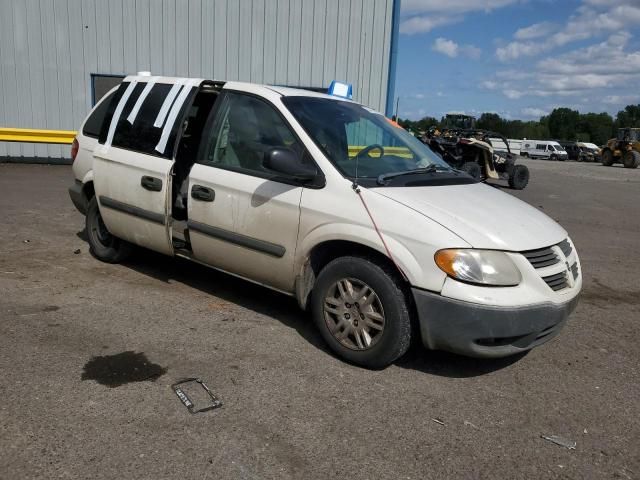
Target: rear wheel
[(473, 169), (102, 244), (631, 159), (362, 311), (519, 177), (607, 158)]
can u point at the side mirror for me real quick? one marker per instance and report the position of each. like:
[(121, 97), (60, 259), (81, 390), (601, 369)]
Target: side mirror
[(287, 163)]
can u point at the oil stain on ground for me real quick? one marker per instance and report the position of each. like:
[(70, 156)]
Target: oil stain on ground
[(119, 369)]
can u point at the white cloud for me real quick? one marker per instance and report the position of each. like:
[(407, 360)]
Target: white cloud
[(451, 49), (620, 99), (490, 85), (446, 47), (421, 16), (453, 6), (515, 50), (536, 30), (605, 72), (588, 21), (533, 112), (512, 94), (426, 23)]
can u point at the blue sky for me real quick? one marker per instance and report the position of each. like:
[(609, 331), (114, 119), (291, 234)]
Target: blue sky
[(517, 58)]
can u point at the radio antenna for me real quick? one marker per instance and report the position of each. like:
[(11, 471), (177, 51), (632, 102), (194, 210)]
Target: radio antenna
[(355, 179)]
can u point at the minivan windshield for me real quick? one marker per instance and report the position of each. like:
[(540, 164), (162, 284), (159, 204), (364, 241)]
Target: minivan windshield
[(351, 135)]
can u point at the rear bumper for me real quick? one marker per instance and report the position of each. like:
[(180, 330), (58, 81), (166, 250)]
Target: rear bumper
[(484, 331), (77, 197)]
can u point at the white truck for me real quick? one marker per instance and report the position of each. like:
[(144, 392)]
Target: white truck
[(325, 200), (543, 149)]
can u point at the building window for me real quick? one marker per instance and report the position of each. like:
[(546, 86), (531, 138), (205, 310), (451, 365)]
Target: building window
[(101, 84)]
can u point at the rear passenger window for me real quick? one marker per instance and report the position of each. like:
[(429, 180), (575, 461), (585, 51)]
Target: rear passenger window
[(137, 131), (93, 125)]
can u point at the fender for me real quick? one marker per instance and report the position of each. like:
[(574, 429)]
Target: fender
[(366, 236), (88, 177)]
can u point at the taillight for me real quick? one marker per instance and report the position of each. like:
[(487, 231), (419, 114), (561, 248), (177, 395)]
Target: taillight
[(74, 149)]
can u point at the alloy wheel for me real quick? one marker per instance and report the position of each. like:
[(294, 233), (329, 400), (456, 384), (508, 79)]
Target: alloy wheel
[(353, 313)]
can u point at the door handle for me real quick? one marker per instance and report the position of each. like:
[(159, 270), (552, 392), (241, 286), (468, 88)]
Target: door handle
[(203, 194), (152, 184)]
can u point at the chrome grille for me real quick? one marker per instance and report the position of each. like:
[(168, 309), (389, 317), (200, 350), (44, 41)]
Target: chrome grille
[(557, 281), (542, 257)]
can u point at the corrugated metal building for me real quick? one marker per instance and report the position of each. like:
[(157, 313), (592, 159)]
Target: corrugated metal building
[(56, 56)]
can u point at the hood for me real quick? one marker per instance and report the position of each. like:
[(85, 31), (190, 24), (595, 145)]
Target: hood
[(483, 216)]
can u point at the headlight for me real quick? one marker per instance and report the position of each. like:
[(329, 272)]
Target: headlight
[(484, 267)]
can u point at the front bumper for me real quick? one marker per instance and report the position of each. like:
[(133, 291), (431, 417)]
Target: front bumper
[(484, 331), (77, 197)]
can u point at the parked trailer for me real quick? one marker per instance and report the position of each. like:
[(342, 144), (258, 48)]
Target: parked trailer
[(499, 145)]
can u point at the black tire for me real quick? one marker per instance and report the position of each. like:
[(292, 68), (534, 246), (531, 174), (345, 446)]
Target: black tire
[(473, 169), (102, 244), (519, 177), (607, 158), (553, 158), (390, 342), (631, 159)]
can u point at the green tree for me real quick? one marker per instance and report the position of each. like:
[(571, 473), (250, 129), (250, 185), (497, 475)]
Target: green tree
[(492, 122), (563, 123), (629, 117), (595, 127)]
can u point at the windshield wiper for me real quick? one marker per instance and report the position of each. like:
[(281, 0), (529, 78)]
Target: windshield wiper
[(433, 168)]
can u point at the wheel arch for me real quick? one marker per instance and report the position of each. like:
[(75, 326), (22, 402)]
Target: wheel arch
[(88, 189), (326, 251)]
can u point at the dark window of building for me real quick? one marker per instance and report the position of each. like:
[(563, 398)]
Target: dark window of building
[(93, 125), (101, 84)]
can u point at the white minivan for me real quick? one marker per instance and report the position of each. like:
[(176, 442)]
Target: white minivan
[(325, 200), (546, 149)]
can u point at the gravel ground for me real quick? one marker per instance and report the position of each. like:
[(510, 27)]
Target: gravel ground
[(292, 410)]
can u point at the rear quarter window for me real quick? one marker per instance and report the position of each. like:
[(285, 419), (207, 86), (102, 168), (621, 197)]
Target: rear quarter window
[(93, 124), (141, 135)]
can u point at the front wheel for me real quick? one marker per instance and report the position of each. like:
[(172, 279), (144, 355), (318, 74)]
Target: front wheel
[(607, 158), (102, 244), (362, 311), (631, 159), (519, 177)]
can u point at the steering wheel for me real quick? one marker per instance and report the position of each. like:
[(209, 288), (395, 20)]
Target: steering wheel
[(367, 150)]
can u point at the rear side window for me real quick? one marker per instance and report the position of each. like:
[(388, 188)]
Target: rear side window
[(93, 125), (137, 132)]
